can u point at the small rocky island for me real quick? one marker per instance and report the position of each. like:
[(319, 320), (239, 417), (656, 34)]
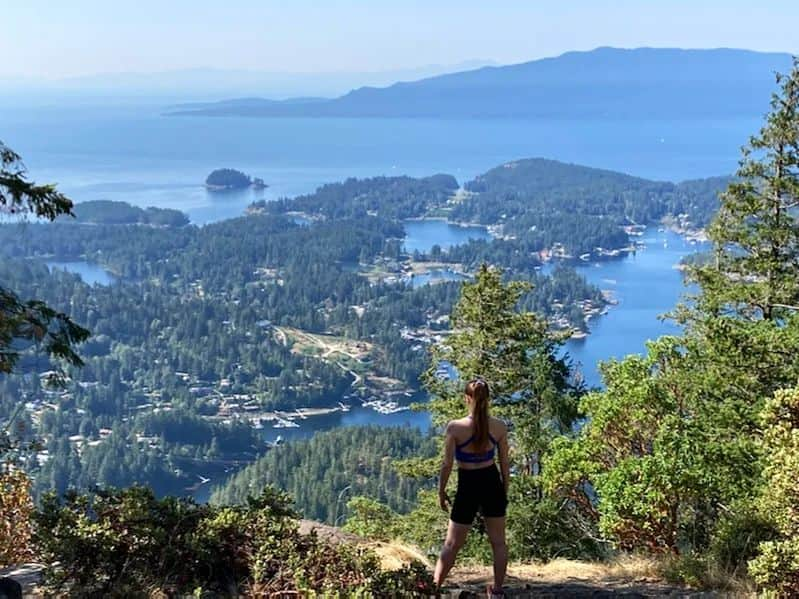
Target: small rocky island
[(223, 179)]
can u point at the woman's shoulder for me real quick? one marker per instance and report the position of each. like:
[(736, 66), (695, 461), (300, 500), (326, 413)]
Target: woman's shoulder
[(498, 426), (458, 423)]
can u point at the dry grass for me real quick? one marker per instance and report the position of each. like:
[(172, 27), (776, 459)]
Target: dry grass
[(617, 573), (325, 345), (621, 571), (630, 574), (625, 574), (394, 555)]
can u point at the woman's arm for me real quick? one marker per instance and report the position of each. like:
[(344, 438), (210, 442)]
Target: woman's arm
[(446, 468), (504, 460)]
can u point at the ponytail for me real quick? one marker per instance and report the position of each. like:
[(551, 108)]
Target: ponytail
[(477, 389)]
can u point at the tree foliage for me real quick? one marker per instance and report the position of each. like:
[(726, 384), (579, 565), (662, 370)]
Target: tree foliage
[(755, 274), (670, 457), (515, 352), (16, 509), (25, 323), (324, 472), (533, 389), (228, 178), (776, 568)]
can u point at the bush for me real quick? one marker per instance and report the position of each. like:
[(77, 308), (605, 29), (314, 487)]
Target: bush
[(544, 527), (776, 568), (16, 508), (426, 528), (129, 544), (736, 539), (539, 526), (687, 568), (371, 519)]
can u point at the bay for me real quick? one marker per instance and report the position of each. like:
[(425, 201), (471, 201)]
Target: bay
[(421, 235), (647, 284)]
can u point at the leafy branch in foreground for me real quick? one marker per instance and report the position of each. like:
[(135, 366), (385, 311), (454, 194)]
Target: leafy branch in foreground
[(32, 323), (20, 196), (37, 324)]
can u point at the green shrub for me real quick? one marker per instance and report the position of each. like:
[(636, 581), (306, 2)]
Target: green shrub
[(426, 528), (776, 568), (687, 568), (129, 544), (371, 519), (544, 527), (736, 539)]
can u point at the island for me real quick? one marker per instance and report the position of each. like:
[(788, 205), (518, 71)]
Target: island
[(224, 179)]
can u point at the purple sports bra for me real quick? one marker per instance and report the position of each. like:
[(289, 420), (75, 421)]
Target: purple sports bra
[(475, 458)]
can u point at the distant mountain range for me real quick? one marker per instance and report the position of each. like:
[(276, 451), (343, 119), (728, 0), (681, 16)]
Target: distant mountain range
[(208, 84), (601, 83)]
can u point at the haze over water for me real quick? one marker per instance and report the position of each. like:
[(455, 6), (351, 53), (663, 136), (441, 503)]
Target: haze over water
[(138, 156)]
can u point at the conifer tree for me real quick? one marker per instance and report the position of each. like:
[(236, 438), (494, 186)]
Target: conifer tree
[(671, 448), (515, 352), (755, 273)]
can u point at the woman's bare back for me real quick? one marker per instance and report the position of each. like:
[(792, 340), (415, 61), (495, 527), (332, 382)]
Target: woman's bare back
[(463, 428)]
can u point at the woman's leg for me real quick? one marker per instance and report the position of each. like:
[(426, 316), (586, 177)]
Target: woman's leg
[(495, 528), (456, 537)]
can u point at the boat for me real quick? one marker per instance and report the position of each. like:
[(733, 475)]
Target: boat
[(344, 407), (442, 372), (283, 423)]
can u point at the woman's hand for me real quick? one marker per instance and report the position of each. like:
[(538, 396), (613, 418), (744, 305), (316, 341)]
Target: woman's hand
[(443, 501)]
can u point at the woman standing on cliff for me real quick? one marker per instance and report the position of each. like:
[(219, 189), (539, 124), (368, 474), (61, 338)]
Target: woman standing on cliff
[(473, 441)]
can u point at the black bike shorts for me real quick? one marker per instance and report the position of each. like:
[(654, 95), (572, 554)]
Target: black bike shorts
[(478, 490)]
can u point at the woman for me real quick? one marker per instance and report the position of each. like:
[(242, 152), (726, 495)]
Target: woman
[(473, 441)]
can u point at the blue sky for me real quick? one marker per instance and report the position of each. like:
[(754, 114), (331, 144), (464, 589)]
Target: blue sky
[(53, 39)]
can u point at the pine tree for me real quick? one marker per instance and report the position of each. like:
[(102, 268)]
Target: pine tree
[(756, 233), (671, 448), (515, 352)]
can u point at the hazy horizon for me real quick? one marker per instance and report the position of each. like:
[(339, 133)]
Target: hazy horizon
[(45, 41), (211, 83)]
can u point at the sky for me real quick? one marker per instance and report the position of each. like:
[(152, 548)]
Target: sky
[(47, 39)]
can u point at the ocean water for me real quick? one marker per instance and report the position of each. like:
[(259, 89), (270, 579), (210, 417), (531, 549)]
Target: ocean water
[(647, 284), (422, 235), (136, 155)]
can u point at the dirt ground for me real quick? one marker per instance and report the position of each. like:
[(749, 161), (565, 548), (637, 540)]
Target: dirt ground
[(631, 578)]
